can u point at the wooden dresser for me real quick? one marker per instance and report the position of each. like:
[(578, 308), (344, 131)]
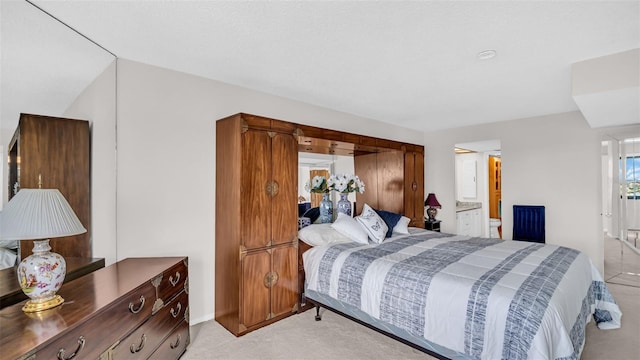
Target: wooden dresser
[(136, 308)]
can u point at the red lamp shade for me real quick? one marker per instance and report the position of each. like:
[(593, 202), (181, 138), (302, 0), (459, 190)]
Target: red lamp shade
[(432, 201)]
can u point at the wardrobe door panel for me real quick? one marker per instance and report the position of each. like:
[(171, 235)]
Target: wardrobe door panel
[(365, 166), (414, 188), (284, 294), (255, 200), (284, 200), (390, 171), (255, 294)]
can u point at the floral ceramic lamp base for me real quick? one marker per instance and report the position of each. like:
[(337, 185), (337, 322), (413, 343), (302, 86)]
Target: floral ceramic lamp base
[(41, 275)]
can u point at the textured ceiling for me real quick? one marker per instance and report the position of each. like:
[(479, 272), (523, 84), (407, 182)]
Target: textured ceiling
[(409, 63)]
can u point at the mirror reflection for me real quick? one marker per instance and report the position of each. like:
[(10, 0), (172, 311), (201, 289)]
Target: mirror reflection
[(313, 164), (45, 67)]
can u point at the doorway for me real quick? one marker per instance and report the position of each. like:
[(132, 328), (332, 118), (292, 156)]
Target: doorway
[(621, 209), (478, 188)]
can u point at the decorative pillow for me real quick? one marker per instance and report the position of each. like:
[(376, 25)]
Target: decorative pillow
[(313, 214), (402, 227), (303, 222), (349, 227), (321, 234), (373, 224), (390, 218)]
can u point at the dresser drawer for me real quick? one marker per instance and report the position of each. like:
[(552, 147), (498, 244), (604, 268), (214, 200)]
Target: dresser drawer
[(174, 345), (173, 281), (144, 340), (91, 338)]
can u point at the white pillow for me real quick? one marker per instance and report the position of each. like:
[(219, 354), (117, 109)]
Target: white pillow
[(320, 234), (374, 225), (402, 227), (350, 228), (9, 244)]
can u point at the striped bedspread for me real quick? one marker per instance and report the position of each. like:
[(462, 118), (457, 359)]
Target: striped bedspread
[(486, 298)]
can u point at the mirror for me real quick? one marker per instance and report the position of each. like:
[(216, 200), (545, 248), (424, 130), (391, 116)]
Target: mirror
[(478, 188), (45, 67), (311, 164)]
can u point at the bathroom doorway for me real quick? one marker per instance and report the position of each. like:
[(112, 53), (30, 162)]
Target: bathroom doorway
[(478, 188)]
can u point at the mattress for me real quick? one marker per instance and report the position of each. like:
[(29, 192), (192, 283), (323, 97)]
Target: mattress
[(466, 297)]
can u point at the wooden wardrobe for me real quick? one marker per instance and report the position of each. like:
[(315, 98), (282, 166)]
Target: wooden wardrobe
[(256, 222), (57, 152), (259, 276)]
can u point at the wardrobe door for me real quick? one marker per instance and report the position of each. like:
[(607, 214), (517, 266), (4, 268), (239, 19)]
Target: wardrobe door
[(255, 199), (254, 298), (284, 189), (284, 292), (414, 188)]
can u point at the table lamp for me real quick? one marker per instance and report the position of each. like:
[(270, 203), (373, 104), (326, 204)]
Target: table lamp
[(432, 203), (40, 214)]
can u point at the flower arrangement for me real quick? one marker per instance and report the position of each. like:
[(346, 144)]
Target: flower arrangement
[(346, 183), (319, 185), (342, 183)]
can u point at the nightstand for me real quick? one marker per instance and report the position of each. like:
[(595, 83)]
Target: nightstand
[(432, 225)]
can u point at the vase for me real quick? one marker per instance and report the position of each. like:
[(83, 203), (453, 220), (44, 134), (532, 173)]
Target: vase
[(326, 209), (344, 205)]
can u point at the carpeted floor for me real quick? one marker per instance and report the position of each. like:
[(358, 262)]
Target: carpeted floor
[(301, 337)]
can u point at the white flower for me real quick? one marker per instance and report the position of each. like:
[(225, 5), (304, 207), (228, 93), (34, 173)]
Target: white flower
[(318, 185), (346, 183)]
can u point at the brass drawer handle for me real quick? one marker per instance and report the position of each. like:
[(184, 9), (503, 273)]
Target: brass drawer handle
[(73, 354), (272, 188), (139, 307), (270, 279), (134, 349), (174, 282), (176, 344), (177, 312)]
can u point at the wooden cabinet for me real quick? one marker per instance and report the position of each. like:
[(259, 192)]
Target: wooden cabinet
[(257, 262), (57, 151), (136, 308), (256, 222)]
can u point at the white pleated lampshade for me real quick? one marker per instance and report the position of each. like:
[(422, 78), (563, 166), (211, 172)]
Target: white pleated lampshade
[(38, 214)]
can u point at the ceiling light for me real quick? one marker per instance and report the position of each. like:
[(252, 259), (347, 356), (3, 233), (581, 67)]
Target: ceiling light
[(486, 55)]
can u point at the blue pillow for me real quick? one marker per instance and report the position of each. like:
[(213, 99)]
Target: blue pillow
[(313, 214), (390, 218)]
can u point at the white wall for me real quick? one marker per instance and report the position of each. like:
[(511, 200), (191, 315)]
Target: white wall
[(551, 160), (97, 103), (166, 162)]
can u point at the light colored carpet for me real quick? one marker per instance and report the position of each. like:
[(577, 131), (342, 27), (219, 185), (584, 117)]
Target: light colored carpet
[(335, 337)]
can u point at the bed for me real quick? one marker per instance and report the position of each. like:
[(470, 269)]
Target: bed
[(459, 297), (8, 253)]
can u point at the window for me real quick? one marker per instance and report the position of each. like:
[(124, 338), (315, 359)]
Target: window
[(632, 168)]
